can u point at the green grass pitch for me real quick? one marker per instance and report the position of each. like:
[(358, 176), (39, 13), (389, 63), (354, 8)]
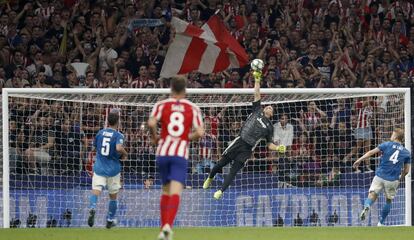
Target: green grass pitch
[(245, 233)]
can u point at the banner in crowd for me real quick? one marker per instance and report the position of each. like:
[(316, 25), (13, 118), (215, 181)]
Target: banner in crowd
[(139, 23), (334, 207), (208, 49)]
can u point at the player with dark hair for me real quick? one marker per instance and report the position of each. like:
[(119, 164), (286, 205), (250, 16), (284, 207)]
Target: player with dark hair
[(257, 126), (180, 122), (107, 168), (395, 157)]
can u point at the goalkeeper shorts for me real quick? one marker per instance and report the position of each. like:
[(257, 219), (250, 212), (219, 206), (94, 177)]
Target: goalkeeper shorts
[(238, 150)]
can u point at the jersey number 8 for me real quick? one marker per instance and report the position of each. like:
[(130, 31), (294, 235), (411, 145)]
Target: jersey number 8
[(105, 146), (176, 125)]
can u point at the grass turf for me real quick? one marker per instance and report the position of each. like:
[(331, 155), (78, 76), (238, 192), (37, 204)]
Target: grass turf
[(245, 233)]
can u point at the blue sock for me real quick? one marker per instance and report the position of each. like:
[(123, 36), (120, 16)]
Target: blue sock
[(384, 213), (92, 201), (368, 202), (113, 204)]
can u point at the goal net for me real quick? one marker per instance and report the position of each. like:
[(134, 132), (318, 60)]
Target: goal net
[(48, 157)]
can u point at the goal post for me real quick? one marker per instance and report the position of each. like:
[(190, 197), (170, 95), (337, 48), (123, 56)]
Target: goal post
[(295, 190)]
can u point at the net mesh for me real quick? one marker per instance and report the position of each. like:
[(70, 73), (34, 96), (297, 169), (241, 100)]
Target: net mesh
[(313, 184)]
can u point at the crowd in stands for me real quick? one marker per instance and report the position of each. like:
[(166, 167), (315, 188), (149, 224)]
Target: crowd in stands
[(304, 43)]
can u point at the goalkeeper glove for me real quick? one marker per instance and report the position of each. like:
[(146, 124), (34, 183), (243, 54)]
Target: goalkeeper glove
[(281, 148), (257, 76)]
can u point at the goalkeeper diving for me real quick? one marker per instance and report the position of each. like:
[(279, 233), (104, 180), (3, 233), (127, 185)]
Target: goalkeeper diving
[(257, 126), (394, 166)]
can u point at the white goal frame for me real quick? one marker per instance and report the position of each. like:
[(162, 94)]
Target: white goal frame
[(76, 91)]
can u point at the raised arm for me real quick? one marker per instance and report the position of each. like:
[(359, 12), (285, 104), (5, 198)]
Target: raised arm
[(257, 78), (366, 155)]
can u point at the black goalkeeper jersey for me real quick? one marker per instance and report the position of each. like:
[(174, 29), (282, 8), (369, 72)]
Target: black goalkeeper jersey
[(257, 127)]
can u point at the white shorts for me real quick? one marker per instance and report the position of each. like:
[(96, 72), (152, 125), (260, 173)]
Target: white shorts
[(41, 156), (390, 187), (112, 183)]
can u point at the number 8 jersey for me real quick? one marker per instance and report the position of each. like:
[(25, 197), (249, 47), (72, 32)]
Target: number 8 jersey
[(107, 158), (177, 118), (394, 156)]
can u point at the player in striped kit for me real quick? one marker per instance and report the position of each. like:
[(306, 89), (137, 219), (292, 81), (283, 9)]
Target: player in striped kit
[(181, 122), (363, 132)]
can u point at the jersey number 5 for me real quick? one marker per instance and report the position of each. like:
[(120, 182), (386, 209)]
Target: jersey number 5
[(176, 125), (394, 157), (105, 146)]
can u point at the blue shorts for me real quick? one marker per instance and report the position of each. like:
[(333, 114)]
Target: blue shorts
[(172, 168)]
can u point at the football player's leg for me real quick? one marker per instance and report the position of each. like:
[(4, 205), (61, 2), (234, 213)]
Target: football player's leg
[(98, 183), (376, 187), (217, 168), (114, 184), (235, 168), (163, 165), (225, 159), (178, 176), (390, 189), (238, 164)]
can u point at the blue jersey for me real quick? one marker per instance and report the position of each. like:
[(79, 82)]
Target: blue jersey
[(107, 162), (394, 156)]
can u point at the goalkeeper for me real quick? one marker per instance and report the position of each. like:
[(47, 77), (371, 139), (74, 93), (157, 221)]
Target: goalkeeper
[(258, 126)]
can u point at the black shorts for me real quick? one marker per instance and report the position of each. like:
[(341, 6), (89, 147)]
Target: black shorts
[(238, 150)]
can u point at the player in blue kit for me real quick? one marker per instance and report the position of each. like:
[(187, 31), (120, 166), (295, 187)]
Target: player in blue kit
[(107, 168), (395, 157)]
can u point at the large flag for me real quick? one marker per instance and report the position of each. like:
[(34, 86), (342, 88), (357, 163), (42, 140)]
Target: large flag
[(208, 49)]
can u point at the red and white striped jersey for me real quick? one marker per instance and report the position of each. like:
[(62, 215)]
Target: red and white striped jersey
[(177, 118), (364, 115)]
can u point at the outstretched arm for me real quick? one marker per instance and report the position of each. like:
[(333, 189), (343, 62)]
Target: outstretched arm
[(366, 155), (257, 78)]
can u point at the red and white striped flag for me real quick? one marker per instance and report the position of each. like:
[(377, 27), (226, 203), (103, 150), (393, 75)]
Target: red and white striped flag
[(208, 49)]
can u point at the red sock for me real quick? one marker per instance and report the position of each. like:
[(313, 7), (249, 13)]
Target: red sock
[(164, 209), (173, 208)]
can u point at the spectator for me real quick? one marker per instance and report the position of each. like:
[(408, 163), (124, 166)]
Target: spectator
[(310, 120), (283, 132), (148, 182), (143, 80), (207, 150), (68, 148), (107, 55), (14, 150), (363, 133), (42, 141)]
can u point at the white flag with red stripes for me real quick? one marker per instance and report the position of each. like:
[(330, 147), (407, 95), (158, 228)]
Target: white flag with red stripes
[(208, 49)]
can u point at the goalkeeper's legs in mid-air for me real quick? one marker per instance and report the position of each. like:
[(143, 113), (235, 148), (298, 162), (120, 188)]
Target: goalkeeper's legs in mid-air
[(235, 168), (236, 154)]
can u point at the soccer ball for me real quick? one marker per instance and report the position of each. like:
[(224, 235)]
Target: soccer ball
[(257, 65)]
